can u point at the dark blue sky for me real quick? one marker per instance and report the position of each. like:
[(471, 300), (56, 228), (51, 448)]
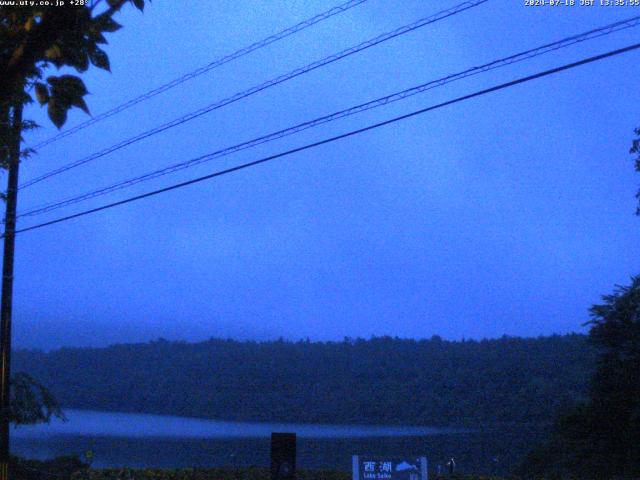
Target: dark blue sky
[(507, 214)]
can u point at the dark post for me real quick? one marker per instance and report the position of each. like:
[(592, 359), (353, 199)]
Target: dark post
[(451, 464), (13, 141), (283, 456)]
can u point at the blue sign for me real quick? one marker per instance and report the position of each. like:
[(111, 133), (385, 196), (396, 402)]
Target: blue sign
[(389, 468)]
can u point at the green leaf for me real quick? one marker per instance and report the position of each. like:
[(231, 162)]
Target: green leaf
[(77, 56), (29, 125), (27, 152), (96, 37), (80, 103), (57, 112), (26, 99), (99, 58), (42, 93), (69, 84), (66, 92), (53, 53), (31, 402), (83, 62), (106, 24)]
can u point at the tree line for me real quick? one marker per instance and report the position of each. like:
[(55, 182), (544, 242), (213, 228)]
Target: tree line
[(380, 380)]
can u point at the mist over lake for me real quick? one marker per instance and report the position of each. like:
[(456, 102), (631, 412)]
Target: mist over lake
[(163, 441), (142, 440)]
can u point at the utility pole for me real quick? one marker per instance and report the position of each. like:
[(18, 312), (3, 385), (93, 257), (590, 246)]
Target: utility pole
[(14, 128)]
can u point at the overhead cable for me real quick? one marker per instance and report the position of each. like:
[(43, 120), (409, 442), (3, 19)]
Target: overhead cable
[(263, 86), (528, 54), (204, 69), (338, 137)]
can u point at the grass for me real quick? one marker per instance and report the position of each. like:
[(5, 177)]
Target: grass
[(252, 473), (71, 468)]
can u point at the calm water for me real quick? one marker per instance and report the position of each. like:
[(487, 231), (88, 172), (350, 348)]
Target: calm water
[(136, 440), (129, 425)]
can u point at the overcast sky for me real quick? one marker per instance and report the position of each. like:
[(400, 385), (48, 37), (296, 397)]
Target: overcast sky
[(507, 214)]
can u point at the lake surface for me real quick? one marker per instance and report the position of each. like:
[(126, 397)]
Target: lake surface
[(131, 425), (140, 440)]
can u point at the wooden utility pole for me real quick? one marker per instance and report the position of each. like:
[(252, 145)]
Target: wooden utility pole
[(13, 134)]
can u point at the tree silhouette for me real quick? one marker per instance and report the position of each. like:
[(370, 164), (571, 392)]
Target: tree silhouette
[(34, 37), (600, 438)]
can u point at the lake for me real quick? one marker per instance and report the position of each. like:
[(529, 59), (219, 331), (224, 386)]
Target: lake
[(141, 440)]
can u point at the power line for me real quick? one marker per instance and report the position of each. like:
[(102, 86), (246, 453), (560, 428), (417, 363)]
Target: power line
[(528, 54), (280, 79), (204, 69), (339, 137), (273, 82)]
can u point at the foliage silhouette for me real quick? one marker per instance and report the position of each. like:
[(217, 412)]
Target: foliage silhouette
[(600, 437)]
